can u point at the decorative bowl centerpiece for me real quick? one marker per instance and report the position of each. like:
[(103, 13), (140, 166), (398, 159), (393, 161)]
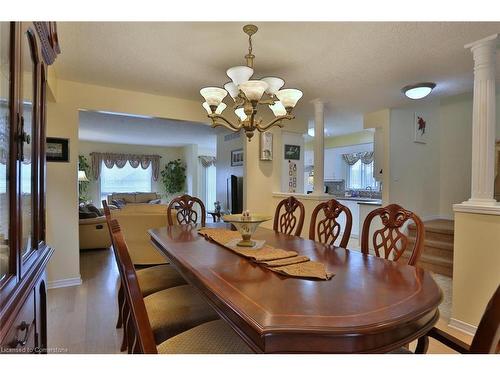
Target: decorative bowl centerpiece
[(246, 224)]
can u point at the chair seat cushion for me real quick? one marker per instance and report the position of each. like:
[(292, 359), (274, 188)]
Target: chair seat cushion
[(154, 279), (215, 337), (175, 310)]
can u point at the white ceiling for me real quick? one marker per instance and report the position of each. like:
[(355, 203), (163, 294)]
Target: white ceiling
[(125, 129), (356, 67)]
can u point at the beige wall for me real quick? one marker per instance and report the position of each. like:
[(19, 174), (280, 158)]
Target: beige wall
[(62, 197), (381, 122), (455, 117), (262, 178), (456, 150), (414, 167), (364, 136), (62, 189), (167, 154), (476, 265), (224, 168)]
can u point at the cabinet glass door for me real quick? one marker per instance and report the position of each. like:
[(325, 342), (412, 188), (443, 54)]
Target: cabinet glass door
[(5, 132), (28, 113)]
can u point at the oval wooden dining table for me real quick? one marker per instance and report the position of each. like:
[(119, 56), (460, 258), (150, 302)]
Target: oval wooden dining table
[(371, 305)]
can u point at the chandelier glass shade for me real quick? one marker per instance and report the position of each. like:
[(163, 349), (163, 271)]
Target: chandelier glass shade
[(247, 95)]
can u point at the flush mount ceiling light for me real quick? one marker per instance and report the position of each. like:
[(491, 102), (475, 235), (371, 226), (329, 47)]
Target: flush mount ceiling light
[(419, 90), (247, 93)]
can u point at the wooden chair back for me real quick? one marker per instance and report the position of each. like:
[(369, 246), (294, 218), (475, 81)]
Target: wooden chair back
[(107, 211), (487, 335), (186, 214), (328, 228), (389, 240), (140, 335), (288, 222)]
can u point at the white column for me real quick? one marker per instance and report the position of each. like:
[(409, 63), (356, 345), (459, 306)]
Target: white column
[(483, 121), (319, 147)]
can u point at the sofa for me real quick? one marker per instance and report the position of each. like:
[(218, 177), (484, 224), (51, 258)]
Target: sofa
[(94, 233), (135, 220), (122, 199)]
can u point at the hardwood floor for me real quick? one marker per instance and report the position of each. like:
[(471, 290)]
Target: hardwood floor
[(82, 319)]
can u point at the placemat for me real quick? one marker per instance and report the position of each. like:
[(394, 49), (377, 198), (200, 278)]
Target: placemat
[(281, 261)]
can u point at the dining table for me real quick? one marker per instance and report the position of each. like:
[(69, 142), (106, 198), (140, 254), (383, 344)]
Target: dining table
[(370, 305)]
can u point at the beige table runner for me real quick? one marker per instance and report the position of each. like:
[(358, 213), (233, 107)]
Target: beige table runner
[(278, 260)]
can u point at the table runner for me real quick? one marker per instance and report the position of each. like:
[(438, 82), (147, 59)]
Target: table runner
[(285, 262)]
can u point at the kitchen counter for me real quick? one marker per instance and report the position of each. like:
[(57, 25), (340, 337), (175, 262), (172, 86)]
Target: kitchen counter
[(378, 202), (356, 199)]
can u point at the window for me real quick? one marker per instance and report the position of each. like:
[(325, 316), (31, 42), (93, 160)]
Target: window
[(360, 176), (209, 184), (124, 180)]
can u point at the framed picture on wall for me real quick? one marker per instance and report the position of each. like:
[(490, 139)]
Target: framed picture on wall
[(266, 146), (237, 158), (292, 152), (57, 149), (421, 129)]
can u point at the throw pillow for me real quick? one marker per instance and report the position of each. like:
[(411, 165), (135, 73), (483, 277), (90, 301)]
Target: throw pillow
[(155, 201), (120, 203), (94, 209)]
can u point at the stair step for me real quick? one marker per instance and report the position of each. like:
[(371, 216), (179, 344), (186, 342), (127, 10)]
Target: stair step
[(434, 236), (436, 230), (436, 244), (436, 264), (437, 226)]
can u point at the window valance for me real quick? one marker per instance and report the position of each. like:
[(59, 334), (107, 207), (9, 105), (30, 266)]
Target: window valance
[(365, 157), (111, 159), (207, 161)]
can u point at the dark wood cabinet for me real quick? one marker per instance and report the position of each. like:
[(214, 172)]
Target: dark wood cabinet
[(26, 50)]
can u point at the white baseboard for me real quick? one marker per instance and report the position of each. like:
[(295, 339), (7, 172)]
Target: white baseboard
[(74, 281), (462, 326)]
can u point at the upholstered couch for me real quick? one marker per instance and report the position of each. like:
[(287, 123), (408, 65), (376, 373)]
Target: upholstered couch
[(127, 198), (135, 220), (94, 233)]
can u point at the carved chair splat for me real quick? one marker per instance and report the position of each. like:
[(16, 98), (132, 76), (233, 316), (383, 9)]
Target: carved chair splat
[(390, 242), (288, 222), (328, 228), (186, 214)]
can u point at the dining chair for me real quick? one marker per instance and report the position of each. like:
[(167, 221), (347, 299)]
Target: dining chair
[(186, 214), (328, 229), (389, 241), (151, 279), (485, 341), (211, 336), (289, 222)]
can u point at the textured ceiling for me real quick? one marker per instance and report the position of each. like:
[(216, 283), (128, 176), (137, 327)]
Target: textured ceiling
[(354, 67)]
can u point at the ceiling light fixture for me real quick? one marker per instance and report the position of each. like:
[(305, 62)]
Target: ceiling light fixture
[(247, 94), (419, 90)]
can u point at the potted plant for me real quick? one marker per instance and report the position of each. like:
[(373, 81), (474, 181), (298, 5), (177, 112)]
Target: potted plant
[(174, 176)]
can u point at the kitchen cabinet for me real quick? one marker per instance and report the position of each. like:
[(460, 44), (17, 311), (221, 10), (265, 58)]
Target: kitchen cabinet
[(353, 206)]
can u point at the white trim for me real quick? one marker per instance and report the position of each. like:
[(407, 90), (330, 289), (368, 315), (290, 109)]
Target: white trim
[(74, 281), (470, 208), (462, 326)]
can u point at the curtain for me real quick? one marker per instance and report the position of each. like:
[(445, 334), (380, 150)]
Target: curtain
[(119, 160), (365, 157), (207, 161)]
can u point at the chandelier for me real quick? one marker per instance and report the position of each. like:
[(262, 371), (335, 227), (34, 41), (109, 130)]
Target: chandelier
[(247, 94)]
